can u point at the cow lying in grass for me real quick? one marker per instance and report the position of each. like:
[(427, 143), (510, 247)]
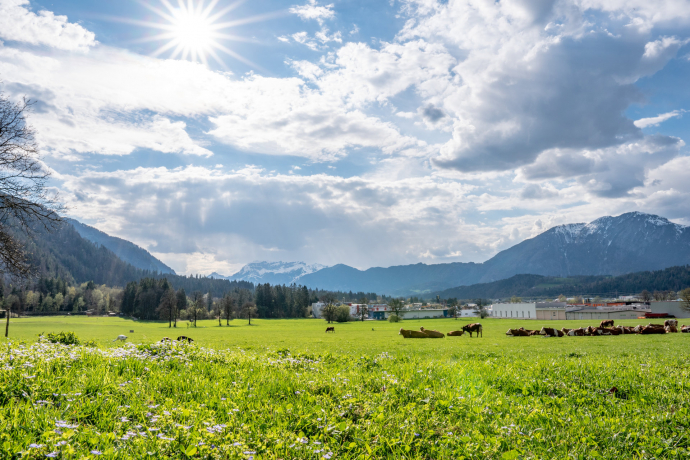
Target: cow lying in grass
[(551, 332), (432, 334), (474, 327), (455, 333), (685, 329), (517, 333), (410, 334), (580, 332), (651, 329), (671, 322)]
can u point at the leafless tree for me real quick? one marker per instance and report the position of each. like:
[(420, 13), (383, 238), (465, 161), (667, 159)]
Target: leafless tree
[(396, 306), (228, 305), (685, 297), (168, 306), (25, 200), (249, 311)]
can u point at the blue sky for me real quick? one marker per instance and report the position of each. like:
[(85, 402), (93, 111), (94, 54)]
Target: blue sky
[(365, 133)]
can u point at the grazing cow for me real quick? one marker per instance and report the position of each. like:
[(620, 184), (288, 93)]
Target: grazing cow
[(474, 327), (685, 329), (652, 329), (121, 338), (671, 322), (409, 334), (576, 332), (182, 338), (606, 323), (455, 333), (432, 334), (671, 329), (517, 333), (332, 329), (550, 332)]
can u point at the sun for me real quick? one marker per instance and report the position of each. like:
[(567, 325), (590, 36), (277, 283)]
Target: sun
[(196, 30)]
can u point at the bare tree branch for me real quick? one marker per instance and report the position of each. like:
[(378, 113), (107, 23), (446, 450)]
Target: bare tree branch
[(25, 200)]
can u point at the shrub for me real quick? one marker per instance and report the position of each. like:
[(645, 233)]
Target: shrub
[(65, 338), (394, 318), (342, 314)]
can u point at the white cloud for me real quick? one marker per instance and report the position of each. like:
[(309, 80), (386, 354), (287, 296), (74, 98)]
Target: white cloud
[(534, 76), (18, 23), (93, 102), (656, 121), (312, 10), (231, 217)]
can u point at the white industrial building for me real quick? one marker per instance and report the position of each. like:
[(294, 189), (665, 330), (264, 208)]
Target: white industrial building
[(672, 307), (529, 310)]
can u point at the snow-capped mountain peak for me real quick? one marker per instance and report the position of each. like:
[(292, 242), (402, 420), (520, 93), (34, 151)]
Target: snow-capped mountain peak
[(272, 272)]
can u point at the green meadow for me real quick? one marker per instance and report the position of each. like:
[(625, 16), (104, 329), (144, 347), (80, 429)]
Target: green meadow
[(286, 389)]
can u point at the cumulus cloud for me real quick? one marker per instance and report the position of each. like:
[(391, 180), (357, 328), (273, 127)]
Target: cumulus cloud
[(104, 92), (535, 76), (18, 23)]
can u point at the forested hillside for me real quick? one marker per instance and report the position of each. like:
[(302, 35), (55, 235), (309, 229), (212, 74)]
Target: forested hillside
[(537, 286), (64, 254), (125, 250)]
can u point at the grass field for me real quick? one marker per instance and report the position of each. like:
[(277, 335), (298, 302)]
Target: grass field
[(285, 389)]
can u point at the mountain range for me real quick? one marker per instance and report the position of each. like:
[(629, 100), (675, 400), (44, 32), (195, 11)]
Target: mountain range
[(628, 243), (272, 272)]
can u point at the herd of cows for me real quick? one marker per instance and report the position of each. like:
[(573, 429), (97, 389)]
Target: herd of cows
[(427, 334), (606, 327)]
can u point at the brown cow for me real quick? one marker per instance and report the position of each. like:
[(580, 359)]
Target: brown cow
[(576, 332), (565, 330), (589, 330), (685, 329), (671, 329), (184, 338), (517, 333), (474, 327), (432, 334), (606, 323), (671, 322), (652, 329), (550, 332), (330, 329), (626, 329), (455, 333), (408, 334)]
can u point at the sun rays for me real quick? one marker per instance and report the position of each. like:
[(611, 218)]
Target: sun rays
[(196, 30)]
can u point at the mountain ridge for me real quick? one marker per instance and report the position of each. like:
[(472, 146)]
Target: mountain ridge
[(125, 250), (630, 242)]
